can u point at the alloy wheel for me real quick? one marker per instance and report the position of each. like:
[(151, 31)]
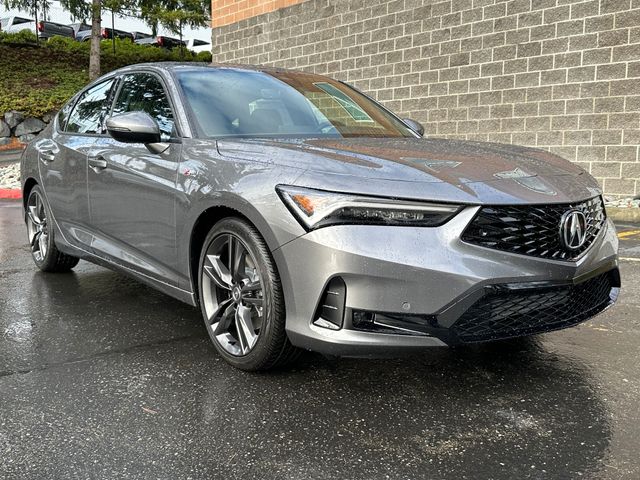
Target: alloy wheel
[(233, 294), (37, 228)]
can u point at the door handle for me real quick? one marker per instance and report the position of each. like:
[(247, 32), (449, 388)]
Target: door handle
[(47, 156), (97, 164)]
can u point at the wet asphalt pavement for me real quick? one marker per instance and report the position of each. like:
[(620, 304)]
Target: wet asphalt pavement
[(101, 377)]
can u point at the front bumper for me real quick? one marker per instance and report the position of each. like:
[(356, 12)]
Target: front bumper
[(420, 282)]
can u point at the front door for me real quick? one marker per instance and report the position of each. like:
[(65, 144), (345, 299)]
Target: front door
[(132, 192), (62, 160)]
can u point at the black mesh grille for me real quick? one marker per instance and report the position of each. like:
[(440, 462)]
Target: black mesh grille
[(511, 312), (533, 229)]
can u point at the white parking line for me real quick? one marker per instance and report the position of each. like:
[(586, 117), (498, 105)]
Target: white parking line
[(630, 259)]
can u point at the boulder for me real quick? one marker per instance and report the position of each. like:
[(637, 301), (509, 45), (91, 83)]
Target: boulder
[(26, 138), (5, 131), (4, 141), (13, 118), (30, 125), (47, 117)]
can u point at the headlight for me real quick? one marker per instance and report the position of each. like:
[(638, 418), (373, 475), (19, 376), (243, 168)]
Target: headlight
[(317, 208)]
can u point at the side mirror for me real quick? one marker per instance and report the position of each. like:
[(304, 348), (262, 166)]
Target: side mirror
[(134, 127), (415, 126)]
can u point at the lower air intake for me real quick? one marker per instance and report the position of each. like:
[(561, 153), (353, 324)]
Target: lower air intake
[(512, 311)]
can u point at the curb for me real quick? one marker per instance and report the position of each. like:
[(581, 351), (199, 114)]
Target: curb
[(624, 215), (14, 146), (10, 193), (10, 156)]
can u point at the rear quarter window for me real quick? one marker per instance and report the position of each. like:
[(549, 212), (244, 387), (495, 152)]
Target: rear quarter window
[(63, 114)]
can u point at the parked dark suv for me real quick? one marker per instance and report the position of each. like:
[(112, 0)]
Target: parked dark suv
[(84, 35), (45, 29)]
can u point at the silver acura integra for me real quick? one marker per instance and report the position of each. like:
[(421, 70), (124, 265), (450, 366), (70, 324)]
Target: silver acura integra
[(300, 214)]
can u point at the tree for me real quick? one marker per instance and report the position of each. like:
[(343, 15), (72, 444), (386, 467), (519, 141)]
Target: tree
[(96, 38), (82, 9), (85, 9), (163, 12), (174, 15), (149, 13), (116, 6)]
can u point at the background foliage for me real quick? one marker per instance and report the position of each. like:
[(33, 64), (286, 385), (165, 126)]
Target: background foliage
[(39, 79)]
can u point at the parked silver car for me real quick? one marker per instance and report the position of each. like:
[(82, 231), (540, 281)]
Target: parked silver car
[(300, 214)]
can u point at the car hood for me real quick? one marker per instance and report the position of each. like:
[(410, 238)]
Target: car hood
[(450, 167)]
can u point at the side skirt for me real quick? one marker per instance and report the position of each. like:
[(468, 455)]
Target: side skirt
[(175, 292)]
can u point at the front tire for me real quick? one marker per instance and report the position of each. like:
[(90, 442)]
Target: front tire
[(241, 298), (40, 233)]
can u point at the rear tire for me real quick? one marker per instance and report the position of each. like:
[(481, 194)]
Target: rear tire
[(41, 233), (241, 298)]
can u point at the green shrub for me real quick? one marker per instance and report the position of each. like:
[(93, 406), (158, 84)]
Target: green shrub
[(127, 52), (66, 44), (204, 57), (23, 36)]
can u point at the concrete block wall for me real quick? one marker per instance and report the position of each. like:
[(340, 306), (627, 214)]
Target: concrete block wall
[(562, 75)]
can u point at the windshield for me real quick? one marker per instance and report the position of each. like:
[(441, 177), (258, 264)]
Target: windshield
[(243, 103)]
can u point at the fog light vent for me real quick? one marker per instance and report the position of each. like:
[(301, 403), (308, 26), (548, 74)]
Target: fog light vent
[(398, 324), (330, 311), (363, 320)]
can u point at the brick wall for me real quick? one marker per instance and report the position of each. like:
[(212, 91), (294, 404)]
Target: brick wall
[(562, 75), (224, 12)]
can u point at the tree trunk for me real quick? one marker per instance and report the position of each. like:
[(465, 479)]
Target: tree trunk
[(35, 15), (113, 31), (96, 37)]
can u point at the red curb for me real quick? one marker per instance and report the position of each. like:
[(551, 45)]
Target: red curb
[(7, 193)]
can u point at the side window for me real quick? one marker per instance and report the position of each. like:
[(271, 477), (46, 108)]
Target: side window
[(90, 110), (144, 92)]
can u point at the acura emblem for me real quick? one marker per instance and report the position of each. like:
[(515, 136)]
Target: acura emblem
[(573, 229)]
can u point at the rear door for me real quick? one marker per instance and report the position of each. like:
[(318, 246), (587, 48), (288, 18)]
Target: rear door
[(132, 192), (62, 159)]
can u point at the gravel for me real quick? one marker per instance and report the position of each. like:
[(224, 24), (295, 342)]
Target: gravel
[(10, 176)]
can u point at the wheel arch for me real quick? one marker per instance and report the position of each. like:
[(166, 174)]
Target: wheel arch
[(205, 222), (26, 190)]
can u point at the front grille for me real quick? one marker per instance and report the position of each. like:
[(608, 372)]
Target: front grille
[(516, 310), (533, 229)]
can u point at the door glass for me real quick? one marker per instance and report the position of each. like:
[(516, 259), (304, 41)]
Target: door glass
[(64, 114), (89, 112), (144, 92)]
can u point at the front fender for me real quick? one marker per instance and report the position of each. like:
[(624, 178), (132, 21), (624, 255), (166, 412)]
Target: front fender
[(207, 181)]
